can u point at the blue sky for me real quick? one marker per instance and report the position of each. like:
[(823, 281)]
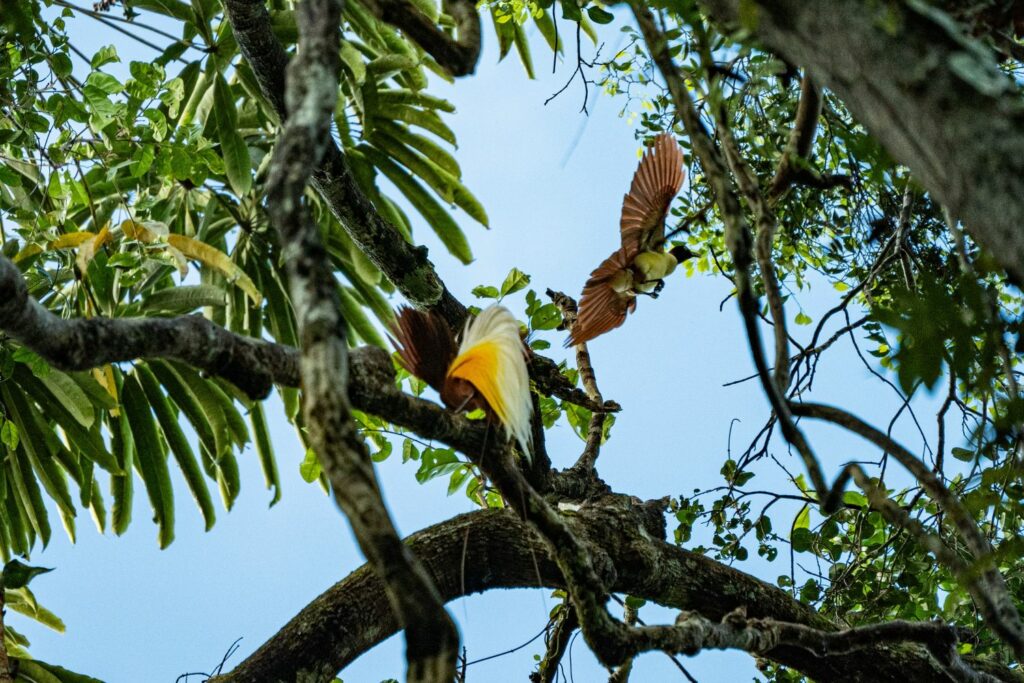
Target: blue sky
[(552, 182)]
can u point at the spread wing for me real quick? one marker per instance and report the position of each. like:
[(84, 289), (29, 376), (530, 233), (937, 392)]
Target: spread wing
[(655, 184), (425, 344), (602, 308)]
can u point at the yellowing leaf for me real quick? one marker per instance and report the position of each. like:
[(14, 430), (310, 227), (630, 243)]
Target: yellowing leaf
[(215, 258), (137, 231), (30, 250), (89, 248), (105, 376), (71, 240)]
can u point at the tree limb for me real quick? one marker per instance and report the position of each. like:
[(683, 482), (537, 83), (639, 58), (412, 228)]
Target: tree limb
[(458, 55), (431, 637), (253, 365), (353, 615)]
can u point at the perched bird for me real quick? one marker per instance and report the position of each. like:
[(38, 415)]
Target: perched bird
[(486, 370), (640, 264)]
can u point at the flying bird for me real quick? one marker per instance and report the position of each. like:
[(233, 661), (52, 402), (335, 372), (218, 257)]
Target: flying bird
[(487, 370), (641, 264)]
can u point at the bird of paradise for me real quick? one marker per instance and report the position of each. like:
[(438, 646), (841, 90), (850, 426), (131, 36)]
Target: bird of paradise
[(487, 370), (641, 264)]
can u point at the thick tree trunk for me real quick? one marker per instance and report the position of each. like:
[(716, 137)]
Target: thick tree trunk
[(499, 551), (934, 98)]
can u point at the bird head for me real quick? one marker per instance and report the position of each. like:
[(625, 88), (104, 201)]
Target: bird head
[(681, 253)]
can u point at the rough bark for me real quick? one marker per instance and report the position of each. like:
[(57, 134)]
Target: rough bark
[(502, 552), (312, 83), (932, 96), (253, 365)]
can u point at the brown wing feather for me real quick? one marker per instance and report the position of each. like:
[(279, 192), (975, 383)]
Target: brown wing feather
[(601, 307), (425, 344), (656, 182)]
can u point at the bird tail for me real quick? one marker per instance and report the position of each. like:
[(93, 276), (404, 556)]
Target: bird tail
[(493, 359), (425, 344)]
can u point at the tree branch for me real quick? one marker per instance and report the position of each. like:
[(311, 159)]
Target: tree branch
[(458, 55), (595, 430), (500, 550), (253, 365), (431, 637)]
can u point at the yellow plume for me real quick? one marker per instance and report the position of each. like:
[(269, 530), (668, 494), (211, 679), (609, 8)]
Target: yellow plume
[(492, 359)]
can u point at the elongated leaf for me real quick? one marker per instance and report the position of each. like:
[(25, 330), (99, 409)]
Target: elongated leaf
[(428, 172), (96, 392), (523, 48), (423, 145), (216, 259), (439, 219), (31, 670), (353, 62), (237, 164), (371, 297), (71, 240), (505, 31), (427, 120), (70, 395), (30, 497), (121, 486), (151, 463), (180, 448), (211, 430), (387, 66), (215, 407), (390, 97), (547, 29), (14, 516), (33, 445), (22, 601), (87, 442), (184, 299), (265, 451), (352, 312), (62, 674), (98, 507)]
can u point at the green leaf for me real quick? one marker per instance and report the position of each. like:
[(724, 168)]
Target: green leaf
[(71, 396), (571, 11), (485, 292), (514, 281), (803, 319), (265, 451), (178, 443), (964, 454), (121, 485), (184, 299), (803, 518), (17, 574), (9, 434), (149, 457), (599, 15), (237, 163), (444, 226), (309, 468)]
